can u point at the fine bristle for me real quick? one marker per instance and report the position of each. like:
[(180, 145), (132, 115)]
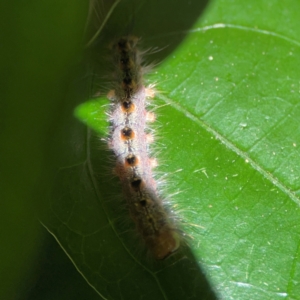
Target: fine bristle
[(129, 139)]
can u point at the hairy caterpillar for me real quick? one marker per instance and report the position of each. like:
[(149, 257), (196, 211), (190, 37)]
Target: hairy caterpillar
[(129, 141)]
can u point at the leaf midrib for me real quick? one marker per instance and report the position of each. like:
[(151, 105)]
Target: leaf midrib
[(270, 177)]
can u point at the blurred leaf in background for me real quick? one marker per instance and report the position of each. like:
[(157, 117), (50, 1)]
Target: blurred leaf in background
[(40, 42)]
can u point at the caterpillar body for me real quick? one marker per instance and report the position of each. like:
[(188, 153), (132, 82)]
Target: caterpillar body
[(129, 141)]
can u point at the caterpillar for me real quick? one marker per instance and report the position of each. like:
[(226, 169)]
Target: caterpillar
[(129, 140)]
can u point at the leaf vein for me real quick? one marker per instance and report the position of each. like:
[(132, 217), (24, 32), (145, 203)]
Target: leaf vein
[(234, 148)]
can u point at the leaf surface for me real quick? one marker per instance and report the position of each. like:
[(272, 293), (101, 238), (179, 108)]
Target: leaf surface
[(229, 140)]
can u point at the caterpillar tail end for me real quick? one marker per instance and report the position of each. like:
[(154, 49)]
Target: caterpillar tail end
[(165, 244)]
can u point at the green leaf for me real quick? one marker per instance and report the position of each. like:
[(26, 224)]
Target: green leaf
[(229, 140)]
